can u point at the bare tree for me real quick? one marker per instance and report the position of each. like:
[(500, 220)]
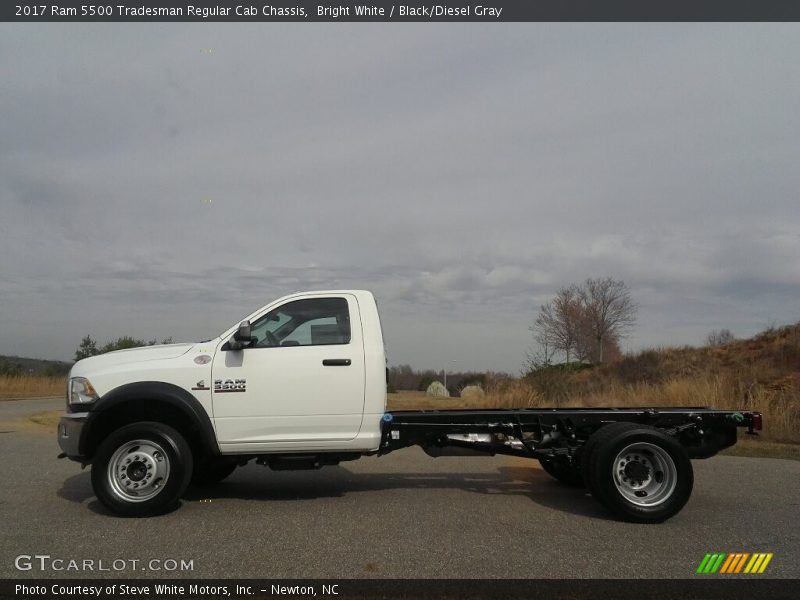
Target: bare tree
[(548, 329), (584, 322), (542, 354), (570, 312), (558, 323), (609, 309), (720, 338)]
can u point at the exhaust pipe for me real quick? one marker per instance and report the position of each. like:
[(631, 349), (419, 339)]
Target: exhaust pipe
[(462, 444)]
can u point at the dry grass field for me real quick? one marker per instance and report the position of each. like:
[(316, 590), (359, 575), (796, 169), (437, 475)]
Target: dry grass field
[(28, 386)]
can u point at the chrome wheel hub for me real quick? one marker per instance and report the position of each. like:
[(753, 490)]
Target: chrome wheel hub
[(138, 470), (644, 474)]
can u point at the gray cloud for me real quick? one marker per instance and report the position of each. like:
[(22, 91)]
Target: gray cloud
[(463, 173)]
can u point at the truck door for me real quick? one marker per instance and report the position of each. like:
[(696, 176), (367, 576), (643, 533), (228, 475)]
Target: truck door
[(301, 379)]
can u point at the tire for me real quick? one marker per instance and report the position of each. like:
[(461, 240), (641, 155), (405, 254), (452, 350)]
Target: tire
[(142, 469), (211, 470), (586, 451), (566, 473), (637, 472)]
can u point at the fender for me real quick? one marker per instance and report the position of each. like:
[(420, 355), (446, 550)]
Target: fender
[(141, 392)]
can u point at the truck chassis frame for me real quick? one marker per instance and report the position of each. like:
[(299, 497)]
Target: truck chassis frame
[(549, 433)]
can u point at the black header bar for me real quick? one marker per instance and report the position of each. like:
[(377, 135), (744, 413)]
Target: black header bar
[(381, 10), (701, 588)]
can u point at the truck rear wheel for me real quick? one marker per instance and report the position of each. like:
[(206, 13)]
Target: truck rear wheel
[(569, 474), (141, 469), (638, 472)]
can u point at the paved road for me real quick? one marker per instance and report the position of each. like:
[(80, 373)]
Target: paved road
[(404, 515)]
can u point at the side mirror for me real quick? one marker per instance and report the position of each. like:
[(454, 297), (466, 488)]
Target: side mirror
[(242, 336)]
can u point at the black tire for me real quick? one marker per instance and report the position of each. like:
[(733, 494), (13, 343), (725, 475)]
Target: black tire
[(566, 473), (211, 470), (586, 451), (637, 472), (162, 450)]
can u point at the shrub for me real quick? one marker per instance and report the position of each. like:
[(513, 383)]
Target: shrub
[(438, 390), (645, 366), (472, 392)]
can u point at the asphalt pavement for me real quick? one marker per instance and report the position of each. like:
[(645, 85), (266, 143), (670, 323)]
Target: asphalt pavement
[(404, 515)]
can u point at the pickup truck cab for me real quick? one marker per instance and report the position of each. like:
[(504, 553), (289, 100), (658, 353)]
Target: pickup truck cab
[(300, 383)]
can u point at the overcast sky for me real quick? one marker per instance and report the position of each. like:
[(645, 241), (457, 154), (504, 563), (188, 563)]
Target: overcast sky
[(166, 180)]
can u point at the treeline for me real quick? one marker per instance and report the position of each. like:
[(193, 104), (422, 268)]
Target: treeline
[(404, 378), (17, 367), (89, 347)]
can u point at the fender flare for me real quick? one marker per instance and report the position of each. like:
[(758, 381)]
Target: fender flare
[(159, 391)]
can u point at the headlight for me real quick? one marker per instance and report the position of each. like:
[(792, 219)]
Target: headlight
[(81, 391)]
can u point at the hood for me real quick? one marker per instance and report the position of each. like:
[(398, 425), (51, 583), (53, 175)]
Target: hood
[(131, 355)]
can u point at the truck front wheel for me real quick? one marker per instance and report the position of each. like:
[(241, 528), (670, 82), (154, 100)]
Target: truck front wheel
[(142, 469), (638, 472)]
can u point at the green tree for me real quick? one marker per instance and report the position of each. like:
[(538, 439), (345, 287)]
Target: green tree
[(123, 343), (87, 348)]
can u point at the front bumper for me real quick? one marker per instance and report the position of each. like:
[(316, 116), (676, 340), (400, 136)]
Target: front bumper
[(70, 430)]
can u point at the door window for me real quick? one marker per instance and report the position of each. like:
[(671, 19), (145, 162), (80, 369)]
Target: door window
[(308, 322)]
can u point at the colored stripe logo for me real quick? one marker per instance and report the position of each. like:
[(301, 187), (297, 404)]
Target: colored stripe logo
[(734, 563)]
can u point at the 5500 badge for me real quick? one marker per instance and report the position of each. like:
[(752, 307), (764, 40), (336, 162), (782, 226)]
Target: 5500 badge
[(230, 385)]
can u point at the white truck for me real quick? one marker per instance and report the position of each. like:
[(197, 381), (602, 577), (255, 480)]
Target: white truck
[(301, 383)]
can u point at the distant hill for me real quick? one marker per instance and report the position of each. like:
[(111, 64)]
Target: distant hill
[(19, 365)]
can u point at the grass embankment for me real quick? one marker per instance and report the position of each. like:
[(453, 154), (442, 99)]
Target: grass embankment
[(30, 386)]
